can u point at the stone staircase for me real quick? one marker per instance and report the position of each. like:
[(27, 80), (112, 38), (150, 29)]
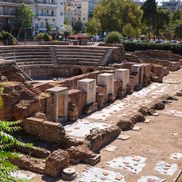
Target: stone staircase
[(81, 55), (22, 73), (27, 55)]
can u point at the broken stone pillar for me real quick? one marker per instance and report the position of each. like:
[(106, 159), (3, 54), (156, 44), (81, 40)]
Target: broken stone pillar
[(147, 74), (88, 86), (124, 76), (60, 102), (139, 69), (107, 80)]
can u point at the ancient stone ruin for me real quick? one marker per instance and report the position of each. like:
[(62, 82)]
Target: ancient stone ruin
[(67, 98)]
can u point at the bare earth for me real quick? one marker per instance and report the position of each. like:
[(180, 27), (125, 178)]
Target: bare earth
[(155, 141)]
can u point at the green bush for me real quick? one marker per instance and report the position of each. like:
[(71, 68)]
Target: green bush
[(43, 36), (7, 38), (113, 37), (134, 46)]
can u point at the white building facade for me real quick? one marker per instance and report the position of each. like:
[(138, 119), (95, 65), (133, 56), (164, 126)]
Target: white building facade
[(49, 16), (76, 10), (172, 5)]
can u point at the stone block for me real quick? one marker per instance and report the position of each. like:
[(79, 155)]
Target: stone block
[(88, 86), (122, 75), (139, 69), (56, 162), (107, 80), (60, 102), (44, 130), (100, 100), (83, 154), (90, 108), (77, 98), (118, 88), (147, 74), (73, 112)]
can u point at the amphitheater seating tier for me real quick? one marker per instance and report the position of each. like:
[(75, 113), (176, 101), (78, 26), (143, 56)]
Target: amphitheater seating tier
[(92, 56), (27, 55), (42, 55)]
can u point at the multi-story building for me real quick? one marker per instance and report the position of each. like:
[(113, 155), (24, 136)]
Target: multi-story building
[(76, 10), (172, 5), (7, 13), (49, 16), (91, 6)]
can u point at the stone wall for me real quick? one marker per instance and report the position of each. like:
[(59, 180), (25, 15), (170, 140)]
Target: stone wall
[(17, 101), (157, 54), (11, 72), (49, 131), (44, 130), (98, 138)]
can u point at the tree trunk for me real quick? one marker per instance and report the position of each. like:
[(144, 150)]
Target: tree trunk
[(19, 32)]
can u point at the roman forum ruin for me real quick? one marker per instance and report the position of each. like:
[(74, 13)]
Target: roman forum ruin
[(94, 113)]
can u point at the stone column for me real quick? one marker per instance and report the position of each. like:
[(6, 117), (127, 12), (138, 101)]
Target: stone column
[(139, 69), (60, 102), (107, 80), (88, 86), (123, 75)]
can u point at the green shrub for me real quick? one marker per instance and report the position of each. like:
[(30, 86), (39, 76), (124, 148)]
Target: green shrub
[(43, 36), (133, 46), (7, 38), (113, 37)]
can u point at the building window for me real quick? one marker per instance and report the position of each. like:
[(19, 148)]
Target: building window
[(42, 24)]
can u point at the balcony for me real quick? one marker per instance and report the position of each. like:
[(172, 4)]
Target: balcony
[(46, 3), (17, 1), (45, 15)]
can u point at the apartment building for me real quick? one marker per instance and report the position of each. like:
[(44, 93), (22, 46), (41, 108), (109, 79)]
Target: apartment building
[(7, 13), (76, 10), (49, 15), (91, 6), (172, 5)]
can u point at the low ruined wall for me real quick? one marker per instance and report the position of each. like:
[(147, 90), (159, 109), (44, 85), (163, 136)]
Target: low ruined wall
[(49, 131), (157, 54), (44, 130), (98, 138), (71, 83), (54, 71)]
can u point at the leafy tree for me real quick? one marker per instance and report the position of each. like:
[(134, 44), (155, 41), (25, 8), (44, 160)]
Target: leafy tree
[(115, 14), (66, 21), (93, 26), (149, 8), (69, 29), (48, 27), (7, 38), (7, 142), (24, 15), (128, 30), (177, 15), (162, 21), (113, 37), (43, 36), (77, 26), (178, 29)]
